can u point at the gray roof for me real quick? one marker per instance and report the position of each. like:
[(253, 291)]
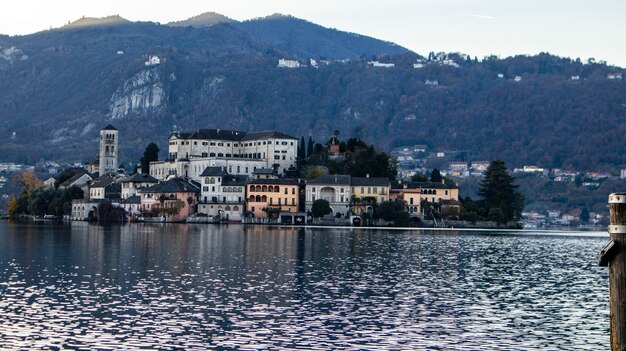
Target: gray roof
[(174, 185), (102, 182), (109, 127), (367, 181), (264, 171), (140, 178), (74, 179), (331, 179), (135, 199), (235, 180), (267, 134), (232, 135), (424, 185), (214, 172)]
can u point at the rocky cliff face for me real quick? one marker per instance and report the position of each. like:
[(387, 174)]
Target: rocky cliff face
[(142, 93)]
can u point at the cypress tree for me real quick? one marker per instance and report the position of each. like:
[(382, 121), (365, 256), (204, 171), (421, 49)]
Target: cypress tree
[(301, 149), (311, 145)]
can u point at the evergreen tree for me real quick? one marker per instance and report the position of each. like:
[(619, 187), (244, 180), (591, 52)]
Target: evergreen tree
[(310, 146), (150, 154), (499, 192), (435, 176), (301, 149)]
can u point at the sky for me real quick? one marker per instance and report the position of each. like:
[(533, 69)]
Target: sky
[(570, 28)]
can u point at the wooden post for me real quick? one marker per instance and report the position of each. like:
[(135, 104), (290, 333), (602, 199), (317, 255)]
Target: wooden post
[(617, 271)]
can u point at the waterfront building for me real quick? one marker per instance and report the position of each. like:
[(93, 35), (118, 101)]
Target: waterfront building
[(278, 194), (80, 179), (86, 209), (175, 199), (132, 184), (414, 193), (105, 188), (333, 188), (222, 194), (132, 205), (189, 154), (368, 192), (109, 140)]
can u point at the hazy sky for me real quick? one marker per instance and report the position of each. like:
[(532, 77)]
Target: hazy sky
[(572, 28)]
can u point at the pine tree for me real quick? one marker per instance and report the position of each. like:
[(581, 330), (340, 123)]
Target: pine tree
[(301, 149), (150, 154), (435, 176), (499, 192), (310, 146)]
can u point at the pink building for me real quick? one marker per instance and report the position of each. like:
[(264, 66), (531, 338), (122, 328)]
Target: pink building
[(175, 199)]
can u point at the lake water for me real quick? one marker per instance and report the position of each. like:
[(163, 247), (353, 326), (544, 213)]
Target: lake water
[(137, 286)]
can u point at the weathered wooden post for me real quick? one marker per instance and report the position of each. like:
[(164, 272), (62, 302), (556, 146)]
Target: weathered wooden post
[(614, 256)]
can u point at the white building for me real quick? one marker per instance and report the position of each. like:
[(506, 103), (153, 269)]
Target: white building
[(480, 166), (222, 194), (108, 150), (85, 209), (333, 188), (518, 78), (623, 174), (381, 64), (282, 63), (457, 166), (131, 185), (189, 154), (153, 61)]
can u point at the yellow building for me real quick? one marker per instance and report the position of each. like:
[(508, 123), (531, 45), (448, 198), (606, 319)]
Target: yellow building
[(281, 194), (414, 193), (367, 192)]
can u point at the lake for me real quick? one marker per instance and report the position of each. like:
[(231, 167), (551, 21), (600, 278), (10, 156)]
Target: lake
[(197, 287)]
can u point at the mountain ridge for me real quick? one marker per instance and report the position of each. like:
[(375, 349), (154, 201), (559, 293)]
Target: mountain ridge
[(66, 84)]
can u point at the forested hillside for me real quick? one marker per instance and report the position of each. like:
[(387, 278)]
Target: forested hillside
[(58, 87)]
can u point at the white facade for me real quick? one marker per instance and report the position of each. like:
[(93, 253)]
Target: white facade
[(623, 174), (333, 188), (381, 64), (282, 63), (189, 154), (222, 194), (108, 150)]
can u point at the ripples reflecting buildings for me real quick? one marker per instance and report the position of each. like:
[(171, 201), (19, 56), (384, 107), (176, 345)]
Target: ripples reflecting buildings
[(254, 287)]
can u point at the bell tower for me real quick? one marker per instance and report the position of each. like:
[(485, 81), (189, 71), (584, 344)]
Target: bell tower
[(108, 150)]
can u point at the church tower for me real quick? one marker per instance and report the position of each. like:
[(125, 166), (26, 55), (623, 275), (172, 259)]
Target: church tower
[(108, 150)]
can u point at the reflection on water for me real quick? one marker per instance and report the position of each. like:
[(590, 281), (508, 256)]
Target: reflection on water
[(202, 286)]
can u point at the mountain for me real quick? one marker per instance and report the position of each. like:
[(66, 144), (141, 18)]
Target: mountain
[(58, 87), (306, 39), (206, 19)]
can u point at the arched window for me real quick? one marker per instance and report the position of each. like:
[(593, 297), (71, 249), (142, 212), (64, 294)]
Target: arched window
[(264, 198), (264, 188), (277, 189), (270, 188), (227, 208), (238, 169), (235, 208), (251, 198), (258, 198)]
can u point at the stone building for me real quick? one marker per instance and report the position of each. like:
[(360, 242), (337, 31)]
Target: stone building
[(109, 142), (333, 188)]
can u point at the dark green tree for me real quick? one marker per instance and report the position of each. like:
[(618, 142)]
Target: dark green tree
[(149, 155), (499, 191), (310, 146), (419, 178), (302, 149), (320, 208), (435, 176), (584, 215)]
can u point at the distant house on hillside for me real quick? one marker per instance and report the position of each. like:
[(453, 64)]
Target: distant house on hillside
[(153, 61), (380, 64), (282, 63)]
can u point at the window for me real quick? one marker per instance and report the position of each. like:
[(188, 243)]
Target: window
[(277, 157), (341, 190), (312, 189), (313, 198), (375, 190), (293, 191), (272, 201), (293, 201), (283, 157), (269, 142), (446, 192), (286, 191), (411, 201), (369, 189), (212, 144), (195, 143), (284, 143), (220, 144), (292, 143), (279, 202)]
